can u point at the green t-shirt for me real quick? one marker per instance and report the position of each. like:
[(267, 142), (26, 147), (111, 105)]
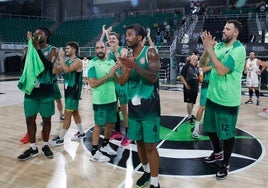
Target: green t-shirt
[(104, 93), (72, 82), (144, 101), (226, 90)]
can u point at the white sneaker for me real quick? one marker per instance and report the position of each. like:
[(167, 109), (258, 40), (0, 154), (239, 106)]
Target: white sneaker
[(195, 134), (99, 157), (77, 136), (108, 149)]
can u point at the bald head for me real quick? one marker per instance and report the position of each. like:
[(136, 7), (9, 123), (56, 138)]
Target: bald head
[(194, 60)]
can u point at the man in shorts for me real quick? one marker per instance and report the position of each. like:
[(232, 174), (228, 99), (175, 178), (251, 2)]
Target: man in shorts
[(101, 73), (253, 72), (72, 68), (140, 72), (189, 78), (41, 98), (205, 67), (224, 93), (114, 52)]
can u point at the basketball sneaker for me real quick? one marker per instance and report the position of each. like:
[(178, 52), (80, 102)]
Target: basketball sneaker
[(214, 157), (116, 135), (25, 139), (57, 141), (77, 136), (29, 153), (258, 102), (151, 186), (61, 117), (126, 141), (47, 152), (223, 171), (143, 180), (249, 101), (99, 157), (108, 149)]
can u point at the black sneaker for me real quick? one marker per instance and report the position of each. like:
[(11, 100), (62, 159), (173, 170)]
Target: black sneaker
[(190, 120), (223, 171), (258, 102), (29, 153), (249, 101), (47, 152), (214, 157), (151, 186), (61, 117), (143, 180), (77, 136)]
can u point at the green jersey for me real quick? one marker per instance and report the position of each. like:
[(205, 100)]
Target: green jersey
[(144, 101), (226, 90), (43, 88), (73, 82), (104, 93)]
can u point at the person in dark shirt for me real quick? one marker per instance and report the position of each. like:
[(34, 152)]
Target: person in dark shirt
[(189, 78)]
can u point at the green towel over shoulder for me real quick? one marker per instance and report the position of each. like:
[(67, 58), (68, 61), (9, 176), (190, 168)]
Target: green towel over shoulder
[(32, 69)]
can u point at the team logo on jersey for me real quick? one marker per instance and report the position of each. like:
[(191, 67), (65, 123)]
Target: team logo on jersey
[(142, 60), (181, 155), (46, 53)]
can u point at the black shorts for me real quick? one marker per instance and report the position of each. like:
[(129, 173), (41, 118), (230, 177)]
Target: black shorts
[(190, 97)]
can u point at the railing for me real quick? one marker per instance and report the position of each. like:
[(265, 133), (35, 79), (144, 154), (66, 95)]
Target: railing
[(26, 16), (130, 13)]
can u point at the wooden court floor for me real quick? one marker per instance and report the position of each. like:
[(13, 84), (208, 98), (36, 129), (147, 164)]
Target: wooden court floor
[(71, 166)]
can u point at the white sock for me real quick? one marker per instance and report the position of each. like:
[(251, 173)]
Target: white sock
[(146, 168), (60, 112), (196, 126), (79, 127), (154, 181), (63, 133), (33, 146), (45, 143)]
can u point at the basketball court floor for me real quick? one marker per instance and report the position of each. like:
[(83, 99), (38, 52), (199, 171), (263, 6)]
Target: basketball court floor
[(181, 164)]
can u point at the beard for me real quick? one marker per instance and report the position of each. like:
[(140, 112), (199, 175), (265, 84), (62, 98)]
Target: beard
[(226, 39), (101, 55)]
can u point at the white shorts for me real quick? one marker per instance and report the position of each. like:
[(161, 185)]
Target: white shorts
[(252, 81)]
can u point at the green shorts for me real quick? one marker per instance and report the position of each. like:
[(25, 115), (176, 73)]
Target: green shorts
[(203, 97), (220, 119), (32, 106), (105, 113), (56, 89), (121, 92), (71, 104), (146, 130)]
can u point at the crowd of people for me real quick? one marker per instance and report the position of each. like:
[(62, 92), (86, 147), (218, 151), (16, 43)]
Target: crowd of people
[(126, 79)]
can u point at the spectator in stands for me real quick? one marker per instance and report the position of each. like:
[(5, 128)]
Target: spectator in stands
[(123, 39), (189, 78), (158, 36), (253, 72)]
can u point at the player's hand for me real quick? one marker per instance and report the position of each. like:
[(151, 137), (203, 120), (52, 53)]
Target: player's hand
[(36, 39), (128, 61), (61, 53), (113, 70), (29, 35)]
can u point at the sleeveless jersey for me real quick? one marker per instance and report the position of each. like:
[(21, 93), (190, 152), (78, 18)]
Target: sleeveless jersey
[(144, 101), (72, 82), (252, 68), (44, 87)]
